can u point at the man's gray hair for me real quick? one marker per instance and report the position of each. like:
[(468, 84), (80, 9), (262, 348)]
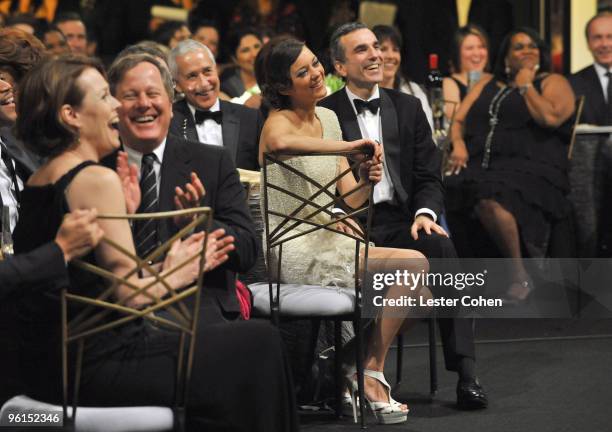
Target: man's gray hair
[(123, 64), (336, 50), (185, 47)]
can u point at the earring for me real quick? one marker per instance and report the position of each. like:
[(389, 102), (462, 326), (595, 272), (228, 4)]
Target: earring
[(507, 69)]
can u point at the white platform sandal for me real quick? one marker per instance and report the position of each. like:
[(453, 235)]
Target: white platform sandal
[(385, 412)]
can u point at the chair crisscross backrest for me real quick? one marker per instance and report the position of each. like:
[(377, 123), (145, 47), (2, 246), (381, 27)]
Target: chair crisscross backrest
[(103, 313), (305, 218)]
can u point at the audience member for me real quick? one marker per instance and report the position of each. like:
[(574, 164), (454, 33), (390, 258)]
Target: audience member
[(293, 84), (390, 42), (78, 234), (594, 82), (201, 116), (409, 199), (24, 22), (207, 33), (76, 128), (73, 28), (55, 41), (243, 45), (510, 145), (170, 33), (469, 60)]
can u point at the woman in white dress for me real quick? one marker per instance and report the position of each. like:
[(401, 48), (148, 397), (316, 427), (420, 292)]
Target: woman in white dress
[(293, 83)]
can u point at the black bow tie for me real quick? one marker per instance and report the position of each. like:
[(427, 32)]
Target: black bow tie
[(200, 116), (372, 106)]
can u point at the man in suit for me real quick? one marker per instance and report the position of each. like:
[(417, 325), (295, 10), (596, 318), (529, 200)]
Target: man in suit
[(201, 116), (78, 234), (594, 82), (144, 89), (409, 198)]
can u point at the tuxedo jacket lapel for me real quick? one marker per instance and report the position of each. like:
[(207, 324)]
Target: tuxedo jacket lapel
[(186, 122), (347, 118), (595, 96), (174, 172), (230, 128), (391, 142)]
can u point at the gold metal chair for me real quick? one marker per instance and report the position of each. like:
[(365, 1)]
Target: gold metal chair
[(304, 216), (102, 313)]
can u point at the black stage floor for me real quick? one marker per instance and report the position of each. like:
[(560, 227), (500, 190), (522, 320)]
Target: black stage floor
[(540, 375)]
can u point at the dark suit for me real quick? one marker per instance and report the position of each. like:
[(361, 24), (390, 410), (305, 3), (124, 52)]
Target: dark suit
[(427, 27), (224, 194), (413, 162), (586, 83), (590, 174), (25, 162), (42, 264), (241, 127)]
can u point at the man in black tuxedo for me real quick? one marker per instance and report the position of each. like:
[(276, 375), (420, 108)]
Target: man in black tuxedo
[(201, 116), (409, 198), (144, 89), (594, 82)]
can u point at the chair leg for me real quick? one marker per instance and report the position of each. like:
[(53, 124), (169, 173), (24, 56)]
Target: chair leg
[(359, 366), (399, 363), (433, 371), (338, 366)]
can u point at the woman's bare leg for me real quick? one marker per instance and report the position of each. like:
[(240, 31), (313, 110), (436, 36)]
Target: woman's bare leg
[(385, 329), (501, 225)]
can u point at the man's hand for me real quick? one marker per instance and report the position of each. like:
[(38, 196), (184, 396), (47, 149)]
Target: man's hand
[(129, 180), (190, 197), (78, 234), (218, 247), (424, 222), (348, 226)]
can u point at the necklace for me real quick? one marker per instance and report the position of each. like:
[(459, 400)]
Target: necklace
[(494, 108)]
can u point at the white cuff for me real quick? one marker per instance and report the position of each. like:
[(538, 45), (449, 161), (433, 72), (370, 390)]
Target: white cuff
[(427, 211)]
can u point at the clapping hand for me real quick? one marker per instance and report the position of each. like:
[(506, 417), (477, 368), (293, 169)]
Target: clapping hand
[(218, 247), (190, 197), (128, 174)]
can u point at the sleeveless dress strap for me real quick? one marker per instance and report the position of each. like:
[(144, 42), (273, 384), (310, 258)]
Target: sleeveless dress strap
[(65, 180)]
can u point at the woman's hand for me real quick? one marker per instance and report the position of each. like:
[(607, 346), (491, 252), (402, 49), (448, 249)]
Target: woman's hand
[(525, 76), (364, 145), (128, 174), (348, 226), (458, 157)]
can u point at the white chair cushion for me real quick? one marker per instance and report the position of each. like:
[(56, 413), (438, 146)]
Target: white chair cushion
[(300, 300), (90, 419)]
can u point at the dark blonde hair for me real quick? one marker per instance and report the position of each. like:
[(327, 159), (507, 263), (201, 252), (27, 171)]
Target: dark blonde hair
[(42, 93), (459, 37)]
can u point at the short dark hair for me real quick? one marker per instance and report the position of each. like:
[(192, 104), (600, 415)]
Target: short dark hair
[(458, 38), (385, 32), (122, 65), (236, 35), (273, 63), (336, 50), (67, 16), (195, 24), (42, 92), (500, 65), (604, 12), (165, 32), (19, 52), (27, 19)]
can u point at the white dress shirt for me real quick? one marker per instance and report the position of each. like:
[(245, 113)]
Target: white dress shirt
[(370, 126), (603, 79), (8, 193), (135, 157), (209, 131)]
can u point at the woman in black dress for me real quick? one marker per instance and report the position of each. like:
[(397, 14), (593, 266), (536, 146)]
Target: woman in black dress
[(71, 118), (510, 135)]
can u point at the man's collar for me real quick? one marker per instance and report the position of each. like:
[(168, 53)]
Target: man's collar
[(352, 96), (600, 69), (135, 157), (216, 107)]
